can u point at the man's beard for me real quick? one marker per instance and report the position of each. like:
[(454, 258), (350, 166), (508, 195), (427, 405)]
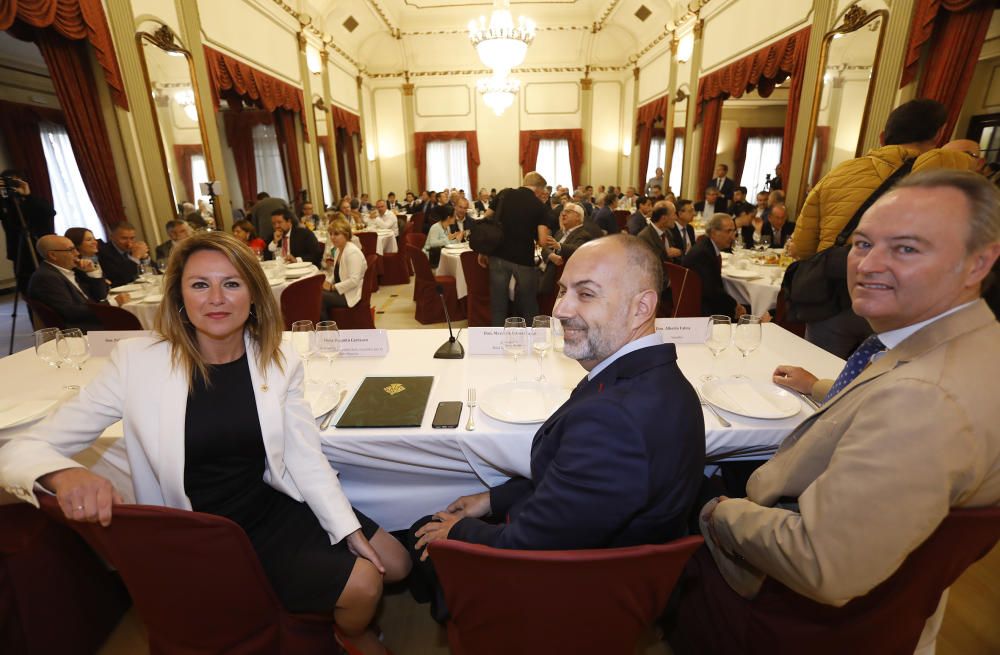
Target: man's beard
[(596, 344)]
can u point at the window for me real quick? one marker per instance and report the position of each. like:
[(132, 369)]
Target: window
[(763, 154), (69, 194), (448, 165), (270, 172), (553, 162), (657, 154), (199, 175), (677, 165)]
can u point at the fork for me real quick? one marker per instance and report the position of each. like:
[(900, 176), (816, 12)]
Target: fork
[(471, 403), (705, 403)]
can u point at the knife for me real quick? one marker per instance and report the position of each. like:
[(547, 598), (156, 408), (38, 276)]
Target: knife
[(329, 416)]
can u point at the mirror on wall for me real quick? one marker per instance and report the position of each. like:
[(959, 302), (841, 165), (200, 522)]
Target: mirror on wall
[(675, 166), (173, 96), (323, 150), (848, 69)]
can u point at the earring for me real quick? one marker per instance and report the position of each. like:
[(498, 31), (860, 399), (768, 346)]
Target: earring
[(253, 314)]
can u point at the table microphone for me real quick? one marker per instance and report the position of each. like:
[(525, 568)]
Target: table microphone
[(450, 349)]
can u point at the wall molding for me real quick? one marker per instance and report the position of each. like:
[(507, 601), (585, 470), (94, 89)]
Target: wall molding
[(469, 100), (524, 93)]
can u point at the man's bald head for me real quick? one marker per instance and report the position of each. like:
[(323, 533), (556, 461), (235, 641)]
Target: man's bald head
[(58, 250)]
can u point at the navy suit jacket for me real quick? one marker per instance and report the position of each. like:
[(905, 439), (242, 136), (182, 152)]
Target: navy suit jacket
[(118, 268), (49, 286), (618, 464), (714, 299)]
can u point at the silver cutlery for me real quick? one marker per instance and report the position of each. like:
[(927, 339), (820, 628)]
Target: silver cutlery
[(329, 416), (471, 403), (722, 421)]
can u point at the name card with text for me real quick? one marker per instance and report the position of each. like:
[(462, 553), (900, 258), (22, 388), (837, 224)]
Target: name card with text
[(486, 341), (102, 342), (683, 330), (364, 343)]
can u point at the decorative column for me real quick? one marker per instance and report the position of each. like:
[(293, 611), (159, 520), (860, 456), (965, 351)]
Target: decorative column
[(364, 169), (332, 164), (633, 166), (313, 181), (890, 71), (668, 120), (692, 138), (586, 122), (190, 26), (409, 111)]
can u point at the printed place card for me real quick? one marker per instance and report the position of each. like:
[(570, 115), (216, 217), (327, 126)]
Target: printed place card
[(364, 343), (486, 341), (102, 342), (683, 330)]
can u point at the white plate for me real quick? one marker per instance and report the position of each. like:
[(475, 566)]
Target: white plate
[(14, 413), (457, 246), (298, 272), (522, 402), (276, 281), (321, 398), (153, 298), (296, 265), (751, 398), (128, 288), (741, 274)]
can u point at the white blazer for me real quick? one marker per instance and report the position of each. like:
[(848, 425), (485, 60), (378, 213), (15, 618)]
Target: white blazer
[(353, 266), (141, 387)]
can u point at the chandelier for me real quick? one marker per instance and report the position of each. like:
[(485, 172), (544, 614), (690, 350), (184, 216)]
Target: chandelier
[(185, 98), (501, 45)]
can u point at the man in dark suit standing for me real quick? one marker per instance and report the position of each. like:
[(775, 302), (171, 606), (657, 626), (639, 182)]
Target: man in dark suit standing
[(723, 182), (705, 259), (522, 213), (291, 240), (712, 204), (638, 220), (39, 217), (575, 232), (619, 464), (120, 258)]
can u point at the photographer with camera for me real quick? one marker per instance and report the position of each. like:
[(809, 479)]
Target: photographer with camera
[(38, 216)]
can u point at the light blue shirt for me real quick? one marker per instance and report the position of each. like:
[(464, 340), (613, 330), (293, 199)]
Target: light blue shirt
[(640, 343)]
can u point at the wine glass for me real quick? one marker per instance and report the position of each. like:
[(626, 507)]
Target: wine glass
[(73, 348), (757, 236), (720, 331), (558, 338), (328, 340), (513, 338), (47, 346), (765, 241), (303, 340), (541, 342), (747, 339)]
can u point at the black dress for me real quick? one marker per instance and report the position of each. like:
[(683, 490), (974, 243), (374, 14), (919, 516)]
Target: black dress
[(223, 475)]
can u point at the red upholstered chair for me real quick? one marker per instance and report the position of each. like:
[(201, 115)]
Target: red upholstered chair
[(781, 317), (547, 301), (685, 286), (418, 221), (416, 239), (395, 269), (56, 596), (369, 246), (887, 620), (362, 315), (302, 300), (115, 318), (621, 217), (44, 316), (543, 602), (429, 308), (477, 283)]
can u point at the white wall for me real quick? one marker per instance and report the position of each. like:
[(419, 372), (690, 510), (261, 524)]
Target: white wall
[(388, 137), (605, 132), (744, 26), (265, 39)]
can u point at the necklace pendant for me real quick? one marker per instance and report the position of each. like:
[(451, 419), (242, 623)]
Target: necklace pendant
[(263, 387)]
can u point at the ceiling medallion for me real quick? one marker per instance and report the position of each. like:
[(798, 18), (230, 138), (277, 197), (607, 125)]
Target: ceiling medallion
[(501, 45)]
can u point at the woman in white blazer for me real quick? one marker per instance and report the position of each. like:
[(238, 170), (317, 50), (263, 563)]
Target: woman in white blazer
[(345, 266), (215, 421)]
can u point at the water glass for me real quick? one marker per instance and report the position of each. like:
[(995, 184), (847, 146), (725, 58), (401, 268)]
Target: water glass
[(47, 346), (513, 339), (558, 340), (73, 348), (303, 340), (541, 342), (328, 340), (720, 332), (765, 241), (747, 339)]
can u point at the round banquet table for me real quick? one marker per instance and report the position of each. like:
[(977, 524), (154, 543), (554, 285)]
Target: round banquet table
[(451, 264), (397, 475), (386, 242), (760, 292)]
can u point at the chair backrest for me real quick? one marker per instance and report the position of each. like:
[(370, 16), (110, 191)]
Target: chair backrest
[(416, 239), (685, 285), (44, 316), (621, 217), (421, 265), (369, 243), (195, 579), (477, 283), (781, 317), (583, 601), (302, 300), (418, 221), (115, 318)]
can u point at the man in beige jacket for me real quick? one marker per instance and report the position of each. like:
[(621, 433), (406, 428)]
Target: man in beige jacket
[(902, 437)]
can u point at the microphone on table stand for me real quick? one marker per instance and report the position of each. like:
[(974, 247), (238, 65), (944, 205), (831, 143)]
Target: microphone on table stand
[(450, 349)]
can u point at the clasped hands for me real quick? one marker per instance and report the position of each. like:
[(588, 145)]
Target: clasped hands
[(474, 506)]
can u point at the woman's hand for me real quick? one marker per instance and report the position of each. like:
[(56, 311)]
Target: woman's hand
[(358, 544), (86, 265), (82, 495)]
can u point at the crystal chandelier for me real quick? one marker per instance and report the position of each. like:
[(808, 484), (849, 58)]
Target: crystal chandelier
[(498, 92), (185, 98), (501, 46)]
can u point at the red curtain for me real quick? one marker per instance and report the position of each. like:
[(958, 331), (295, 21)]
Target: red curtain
[(75, 20), (646, 116), (761, 70), (74, 85), (19, 127), (743, 134), (182, 155), (956, 30), (347, 120), (528, 149), (420, 140), (239, 133), (346, 125), (288, 146)]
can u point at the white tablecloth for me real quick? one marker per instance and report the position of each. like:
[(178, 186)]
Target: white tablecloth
[(760, 294), (451, 264), (396, 476), (385, 243)]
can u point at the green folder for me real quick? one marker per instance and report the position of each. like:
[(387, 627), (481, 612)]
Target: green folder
[(389, 402)]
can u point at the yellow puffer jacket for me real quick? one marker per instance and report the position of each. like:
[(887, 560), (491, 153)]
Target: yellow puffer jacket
[(833, 201)]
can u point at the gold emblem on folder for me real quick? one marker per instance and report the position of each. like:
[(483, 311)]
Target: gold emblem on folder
[(393, 389)]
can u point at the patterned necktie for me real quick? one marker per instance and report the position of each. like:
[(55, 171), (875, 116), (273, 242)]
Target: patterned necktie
[(855, 364)]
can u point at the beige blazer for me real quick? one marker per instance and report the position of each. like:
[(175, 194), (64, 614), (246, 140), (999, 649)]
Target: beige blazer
[(140, 387), (877, 469)]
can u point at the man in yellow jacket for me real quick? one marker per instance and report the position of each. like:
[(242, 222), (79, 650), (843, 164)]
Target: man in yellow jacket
[(911, 132)]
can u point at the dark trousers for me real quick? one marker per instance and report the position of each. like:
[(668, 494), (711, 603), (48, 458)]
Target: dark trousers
[(332, 299), (525, 293)]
